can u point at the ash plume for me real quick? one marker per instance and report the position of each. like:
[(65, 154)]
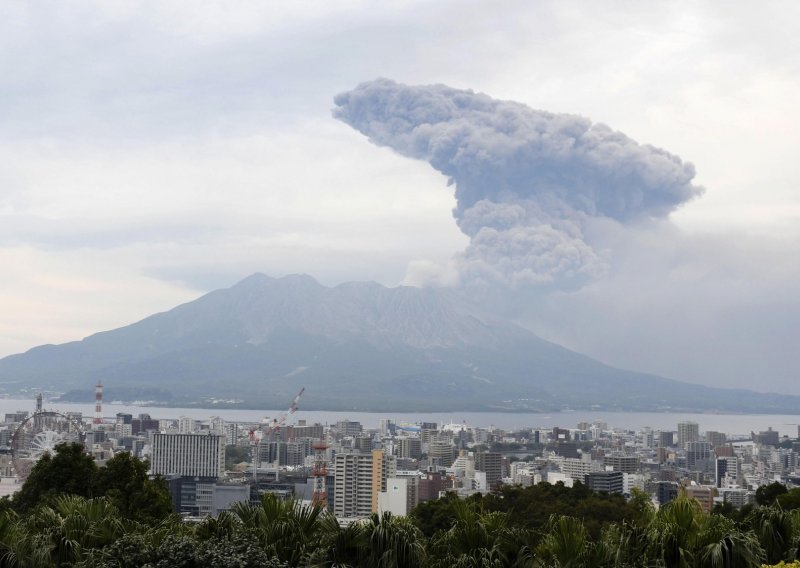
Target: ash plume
[(528, 183)]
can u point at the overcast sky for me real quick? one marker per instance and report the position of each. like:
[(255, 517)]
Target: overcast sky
[(153, 151)]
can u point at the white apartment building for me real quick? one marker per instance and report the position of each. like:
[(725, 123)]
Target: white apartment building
[(577, 469), (401, 495), (359, 479), (186, 425), (197, 455)]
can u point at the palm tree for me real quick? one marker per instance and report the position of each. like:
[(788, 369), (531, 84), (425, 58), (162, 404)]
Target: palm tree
[(673, 533), (776, 531), (565, 544), (720, 543), (392, 542), (224, 525), (479, 539), (288, 530), (339, 546), (621, 545), (683, 535), (19, 548), (61, 535)]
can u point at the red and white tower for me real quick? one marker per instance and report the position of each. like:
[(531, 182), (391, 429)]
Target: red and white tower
[(98, 403), (319, 474)]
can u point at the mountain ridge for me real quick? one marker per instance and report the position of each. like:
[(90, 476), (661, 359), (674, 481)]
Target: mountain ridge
[(359, 346)]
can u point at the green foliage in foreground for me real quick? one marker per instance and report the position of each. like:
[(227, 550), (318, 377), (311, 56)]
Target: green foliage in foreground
[(91, 533), (542, 526), (70, 471)]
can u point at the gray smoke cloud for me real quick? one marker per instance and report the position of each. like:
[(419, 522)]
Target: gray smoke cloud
[(528, 183)]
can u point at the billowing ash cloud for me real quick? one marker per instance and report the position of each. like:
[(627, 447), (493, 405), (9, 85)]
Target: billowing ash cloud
[(527, 181)]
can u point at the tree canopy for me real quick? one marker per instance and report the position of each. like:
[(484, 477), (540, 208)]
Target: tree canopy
[(69, 471)]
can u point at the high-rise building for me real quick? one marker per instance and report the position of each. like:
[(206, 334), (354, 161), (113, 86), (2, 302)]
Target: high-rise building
[(273, 452), (576, 468), (357, 477), (698, 456), (186, 425), (363, 443), (199, 455), (352, 493), (427, 435), (726, 466), (383, 467), (716, 439), (409, 447), (491, 464), (687, 432), (443, 450)]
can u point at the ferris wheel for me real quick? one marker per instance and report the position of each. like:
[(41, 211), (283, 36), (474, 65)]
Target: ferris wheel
[(39, 434)]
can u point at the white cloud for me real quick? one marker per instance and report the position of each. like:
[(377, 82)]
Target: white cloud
[(194, 142)]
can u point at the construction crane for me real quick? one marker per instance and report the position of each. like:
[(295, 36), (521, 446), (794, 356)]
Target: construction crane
[(274, 426)]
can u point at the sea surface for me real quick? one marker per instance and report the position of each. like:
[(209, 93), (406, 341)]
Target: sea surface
[(732, 424)]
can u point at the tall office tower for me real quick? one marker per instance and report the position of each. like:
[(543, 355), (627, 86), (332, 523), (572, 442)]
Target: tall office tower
[(216, 425), (387, 427), (428, 434), (363, 443), (356, 477), (409, 447), (716, 439), (352, 492), (727, 466), (698, 456), (199, 455), (666, 439), (687, 432), (383, 467), (491, 464), (273, 452)]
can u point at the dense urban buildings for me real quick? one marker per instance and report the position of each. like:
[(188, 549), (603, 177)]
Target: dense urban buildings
[(356, 470)]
